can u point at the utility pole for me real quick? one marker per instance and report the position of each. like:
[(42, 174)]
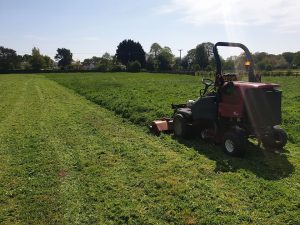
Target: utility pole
[(180, 50)]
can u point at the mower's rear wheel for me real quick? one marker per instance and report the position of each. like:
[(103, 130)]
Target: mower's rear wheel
[(277, 139), (234, 143), (181, 127)]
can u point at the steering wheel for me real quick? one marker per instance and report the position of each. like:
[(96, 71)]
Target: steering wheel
[(207, 82)]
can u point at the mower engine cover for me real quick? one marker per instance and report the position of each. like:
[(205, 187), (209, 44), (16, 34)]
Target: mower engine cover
[(260, 102)]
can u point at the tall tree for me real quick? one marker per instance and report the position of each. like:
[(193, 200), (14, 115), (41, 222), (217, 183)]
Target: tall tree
[(107, 56), (64, 57), (25, 62), (296, 60), (289, 57), (151, 63), (209, 49), (87, 62), (129, 51), (152, 57), (49, 63), (201, 56), (155, 49), (189, 60), (106, 62), (9, 59), (37, 61), (165, 59)]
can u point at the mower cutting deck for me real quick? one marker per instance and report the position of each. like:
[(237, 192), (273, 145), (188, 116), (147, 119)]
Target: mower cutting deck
[(230, 111)]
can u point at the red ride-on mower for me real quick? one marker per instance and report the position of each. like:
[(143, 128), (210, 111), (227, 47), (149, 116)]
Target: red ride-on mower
[(230, 111)]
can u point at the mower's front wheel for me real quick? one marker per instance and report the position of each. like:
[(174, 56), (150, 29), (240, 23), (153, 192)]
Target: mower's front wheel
[(234, 143), (181, 127)]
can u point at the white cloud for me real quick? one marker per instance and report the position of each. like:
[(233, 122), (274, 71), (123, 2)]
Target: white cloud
[(282, 15)]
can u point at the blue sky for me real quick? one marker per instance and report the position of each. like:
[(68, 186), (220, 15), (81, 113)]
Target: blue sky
[(91, 27)]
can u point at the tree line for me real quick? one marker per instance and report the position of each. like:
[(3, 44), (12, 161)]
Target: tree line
[(130, 56)]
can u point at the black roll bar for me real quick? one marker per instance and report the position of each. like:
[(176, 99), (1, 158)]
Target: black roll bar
[(251, 75)]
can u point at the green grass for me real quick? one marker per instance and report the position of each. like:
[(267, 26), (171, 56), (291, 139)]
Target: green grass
[(144, 97), (66, 160)]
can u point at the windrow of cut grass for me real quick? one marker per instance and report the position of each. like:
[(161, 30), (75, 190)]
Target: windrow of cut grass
[(138, 97), (143, 97)]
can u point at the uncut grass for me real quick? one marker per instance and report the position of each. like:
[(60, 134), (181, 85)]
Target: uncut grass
[(144, 97), (64, 160)]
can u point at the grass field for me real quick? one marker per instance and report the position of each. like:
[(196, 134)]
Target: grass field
[(66, 160)]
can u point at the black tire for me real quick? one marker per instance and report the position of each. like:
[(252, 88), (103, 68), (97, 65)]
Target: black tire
[(181, 128), (234, 143), (277, 139)]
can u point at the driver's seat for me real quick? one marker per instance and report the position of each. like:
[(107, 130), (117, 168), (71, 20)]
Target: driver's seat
[(205, 108)]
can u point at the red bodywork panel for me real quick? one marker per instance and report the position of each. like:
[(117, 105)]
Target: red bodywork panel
[(232, 105)]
